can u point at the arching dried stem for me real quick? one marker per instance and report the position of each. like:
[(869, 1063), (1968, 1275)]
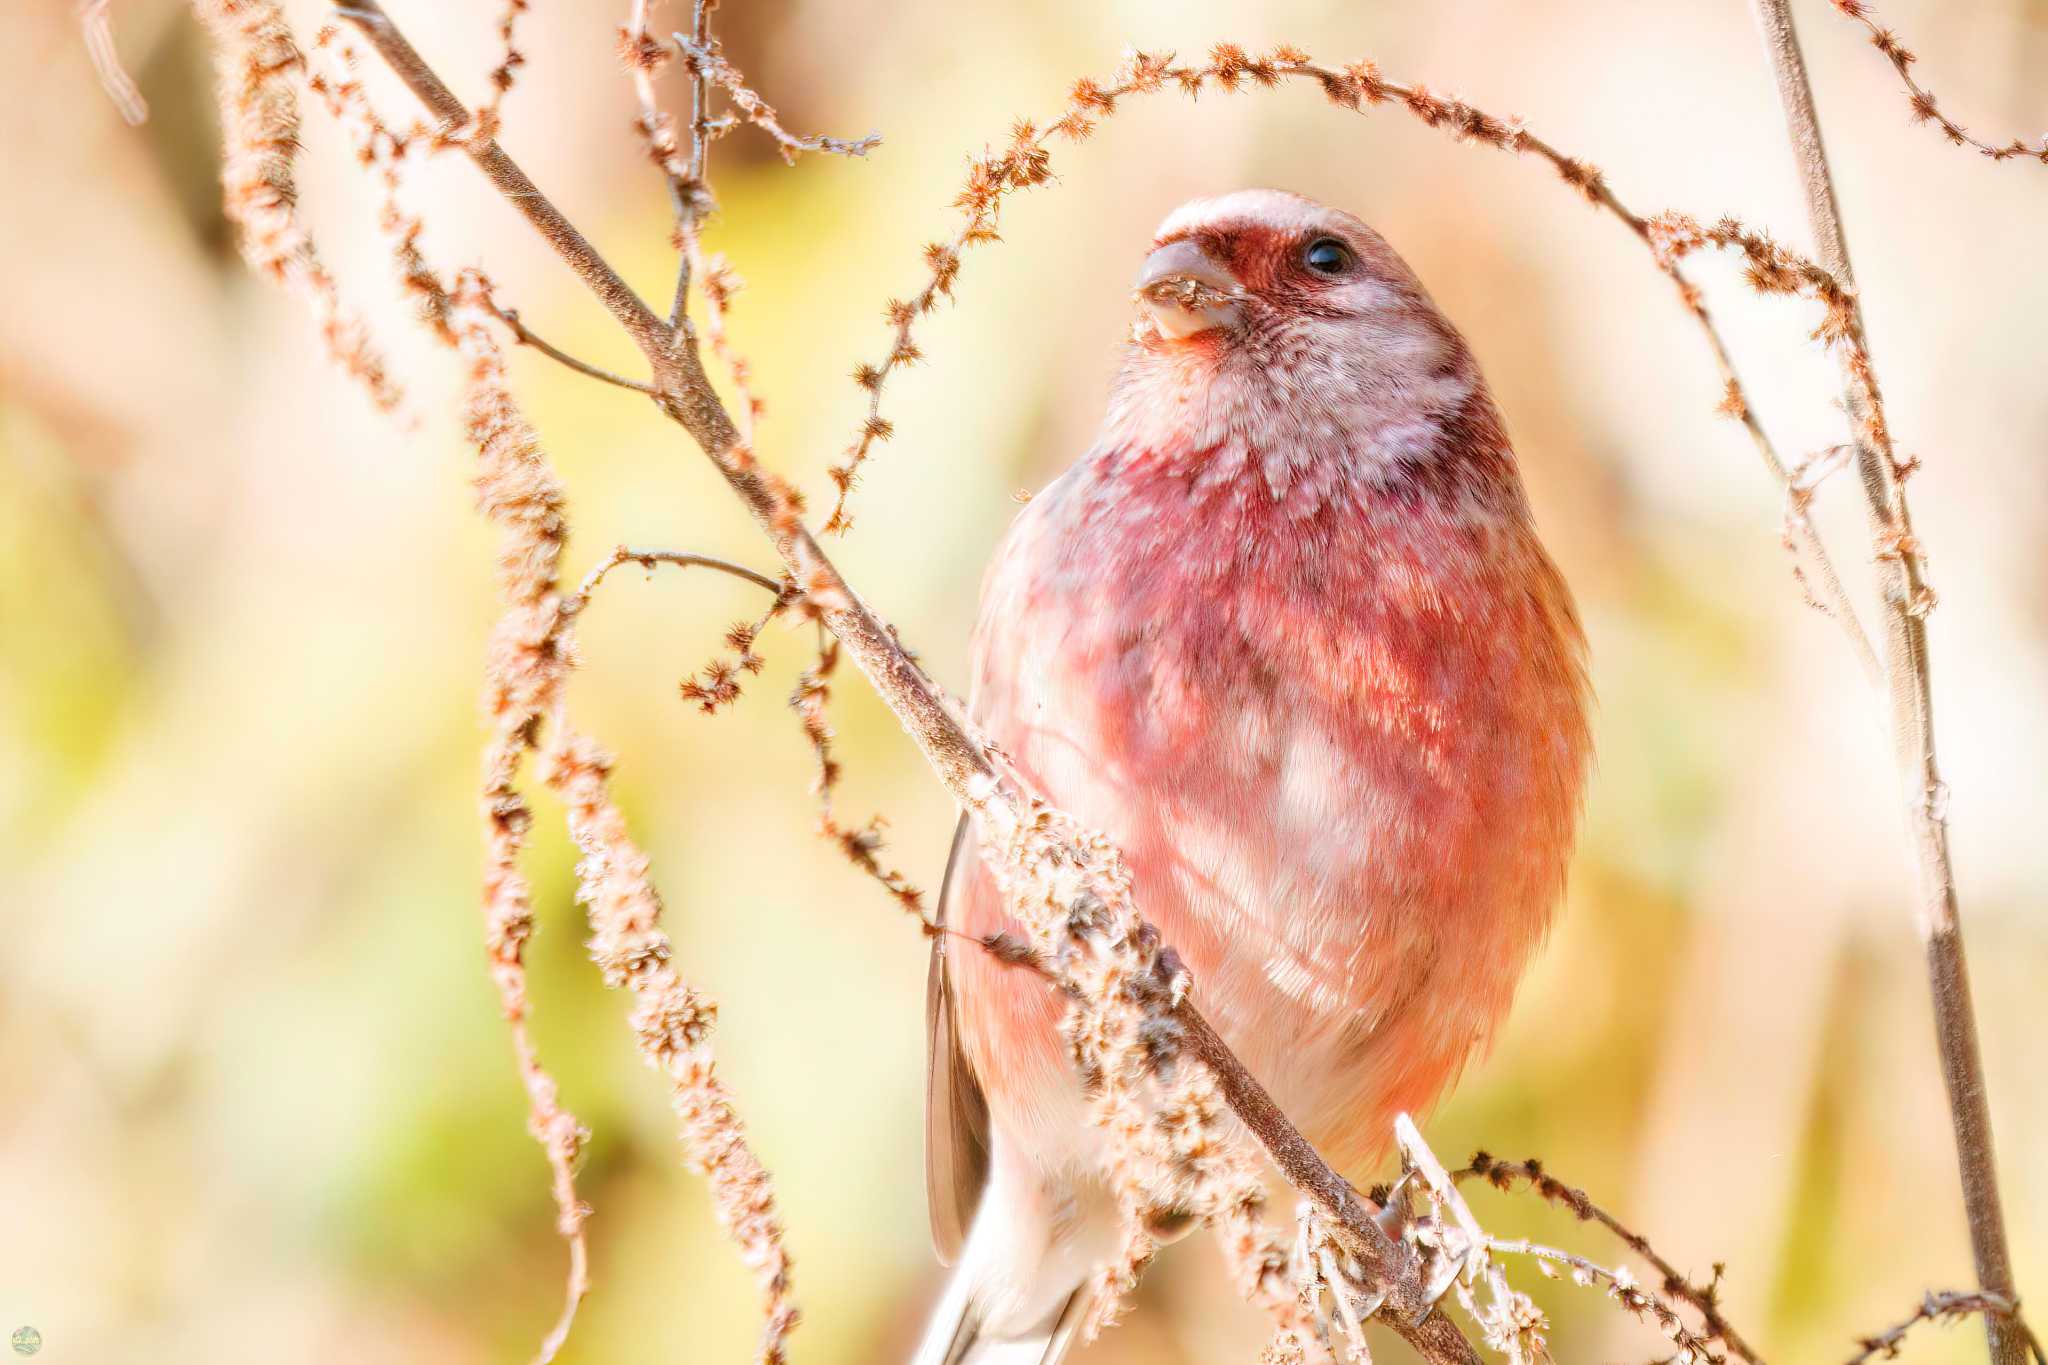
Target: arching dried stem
[(258, 64), (861, 844), (1921, 100), (1359, 86), (1944, 1308)]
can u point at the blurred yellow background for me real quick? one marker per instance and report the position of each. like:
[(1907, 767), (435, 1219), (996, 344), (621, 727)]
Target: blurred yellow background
[(258, 1101)]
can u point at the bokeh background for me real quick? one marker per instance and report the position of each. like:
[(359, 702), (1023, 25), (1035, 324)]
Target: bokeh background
[(258, 1104)]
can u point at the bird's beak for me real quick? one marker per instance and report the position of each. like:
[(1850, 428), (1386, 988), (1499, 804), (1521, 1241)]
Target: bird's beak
[(1185, 290)]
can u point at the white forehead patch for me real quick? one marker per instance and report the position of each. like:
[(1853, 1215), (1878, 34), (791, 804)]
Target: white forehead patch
[(1268, 208)]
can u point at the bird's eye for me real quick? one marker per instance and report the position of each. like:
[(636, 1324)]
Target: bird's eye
[(1327, 256)]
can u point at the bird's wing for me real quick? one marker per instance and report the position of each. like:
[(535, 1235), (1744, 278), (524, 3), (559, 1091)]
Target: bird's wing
[(955, 1111)]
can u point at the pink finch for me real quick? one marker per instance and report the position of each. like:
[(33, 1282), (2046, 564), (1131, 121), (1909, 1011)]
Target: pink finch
[(1286, 635)]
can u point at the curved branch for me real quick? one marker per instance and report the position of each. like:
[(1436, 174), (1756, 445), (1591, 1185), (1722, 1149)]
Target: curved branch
[(1921, 99), (1949, 1307), (647, 559), (1357, 87), (526, 336)]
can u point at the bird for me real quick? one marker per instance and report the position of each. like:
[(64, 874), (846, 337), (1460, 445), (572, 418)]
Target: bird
[(1286, 634)]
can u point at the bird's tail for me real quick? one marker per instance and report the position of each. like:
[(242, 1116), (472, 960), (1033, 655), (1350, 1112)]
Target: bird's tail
[(1023, 1286), (962, 1334)]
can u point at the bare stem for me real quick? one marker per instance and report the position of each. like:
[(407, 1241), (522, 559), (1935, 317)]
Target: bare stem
[(688, 192), (1704, 1298), (106, 62), (1921, 100), (647, 559), (700, 157), (525, 336), (1900, 577)]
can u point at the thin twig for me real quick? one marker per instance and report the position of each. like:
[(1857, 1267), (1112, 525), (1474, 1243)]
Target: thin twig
[(1704, 1299), (1906, 597), (707, 60), (1948, 1307), (716, 684), (98, 28), (647, 559), (526, 336), (700, 164), (689, 196), (502, 76), (718, 282), (861, 844), (1921, 99), (1619, 1285)]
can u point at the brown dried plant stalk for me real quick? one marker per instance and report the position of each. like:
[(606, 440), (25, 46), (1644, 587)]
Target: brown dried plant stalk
[(1945, 1308), (258, 66), (1921, 99), (510, 59), (861, 844), (1907, 598), (671, 1020), (532, 653), (524, 673), (1705, 1299), (526, 664)]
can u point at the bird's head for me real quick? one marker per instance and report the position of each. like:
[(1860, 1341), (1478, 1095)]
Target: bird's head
[(1246, 267), (1269, 320)]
